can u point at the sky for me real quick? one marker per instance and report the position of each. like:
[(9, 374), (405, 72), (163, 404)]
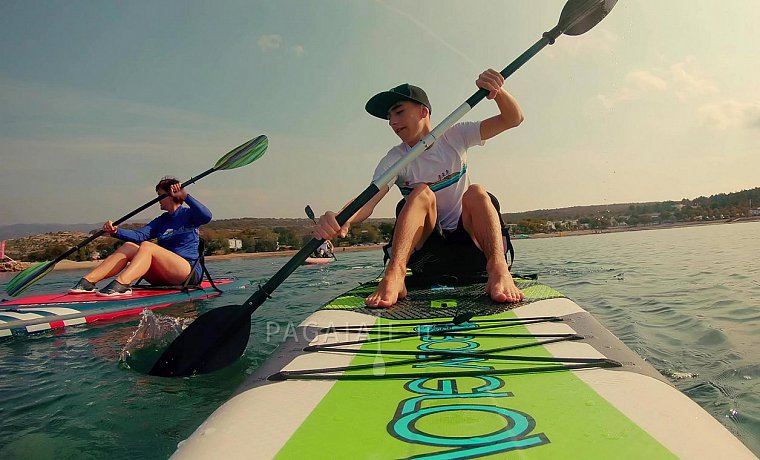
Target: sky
[(98, 100)]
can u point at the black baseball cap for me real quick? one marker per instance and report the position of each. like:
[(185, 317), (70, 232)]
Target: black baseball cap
[(380, 103)]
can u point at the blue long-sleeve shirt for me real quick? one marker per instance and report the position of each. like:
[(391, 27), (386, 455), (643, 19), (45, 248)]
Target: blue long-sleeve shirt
[(177, 231)]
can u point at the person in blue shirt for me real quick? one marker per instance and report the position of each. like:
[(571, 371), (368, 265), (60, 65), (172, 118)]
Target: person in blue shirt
[(169, 261)]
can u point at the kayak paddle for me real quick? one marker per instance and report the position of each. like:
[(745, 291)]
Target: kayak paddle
[(237, 157), (219, 337)]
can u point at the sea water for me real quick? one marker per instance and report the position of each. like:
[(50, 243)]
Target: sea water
[(685, 299)]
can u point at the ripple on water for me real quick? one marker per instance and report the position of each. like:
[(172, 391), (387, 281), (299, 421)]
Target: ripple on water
[(721, 304), (657, 308), (739, 314), (675, 323), (711, 338), (734, 394)]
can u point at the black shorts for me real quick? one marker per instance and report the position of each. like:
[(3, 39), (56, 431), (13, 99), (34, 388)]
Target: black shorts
[(456, 236), (439, 237)]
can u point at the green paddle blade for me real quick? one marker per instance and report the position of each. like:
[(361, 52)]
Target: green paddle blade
[(26, 278), (244, 154)]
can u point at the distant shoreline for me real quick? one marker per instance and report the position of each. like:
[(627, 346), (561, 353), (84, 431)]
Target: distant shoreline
[(72, 265), (642, 228)]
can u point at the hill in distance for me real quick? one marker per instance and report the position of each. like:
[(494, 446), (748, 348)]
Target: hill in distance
[(8, 232), (742, 199), (573, 211)]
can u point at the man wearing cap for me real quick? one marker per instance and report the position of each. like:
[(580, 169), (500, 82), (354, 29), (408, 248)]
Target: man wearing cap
[(437, 191)]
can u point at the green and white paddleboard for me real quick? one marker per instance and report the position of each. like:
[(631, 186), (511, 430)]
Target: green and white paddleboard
[(542, 379)]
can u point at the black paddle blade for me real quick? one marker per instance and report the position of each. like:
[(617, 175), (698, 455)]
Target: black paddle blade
[(579, 16), (214, 340), (309, 212)]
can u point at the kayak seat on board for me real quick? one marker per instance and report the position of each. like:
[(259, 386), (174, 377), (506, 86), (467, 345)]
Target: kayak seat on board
[(193, 280), (441, 259)]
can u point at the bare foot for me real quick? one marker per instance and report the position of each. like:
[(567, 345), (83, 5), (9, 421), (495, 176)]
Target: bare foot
[(501, 287), (390, 290)]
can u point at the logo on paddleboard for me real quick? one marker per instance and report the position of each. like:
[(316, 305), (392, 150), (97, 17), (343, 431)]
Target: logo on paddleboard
[(471, 422)]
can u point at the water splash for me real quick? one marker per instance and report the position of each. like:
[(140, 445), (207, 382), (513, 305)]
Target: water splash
[(152, 336), (675, 375)]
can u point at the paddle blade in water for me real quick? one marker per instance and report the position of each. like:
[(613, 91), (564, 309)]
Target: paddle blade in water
[(213, 341), (244, 154), (579, 16), (26, 278)]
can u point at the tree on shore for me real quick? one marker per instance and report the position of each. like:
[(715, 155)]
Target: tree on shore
[(265, 235)]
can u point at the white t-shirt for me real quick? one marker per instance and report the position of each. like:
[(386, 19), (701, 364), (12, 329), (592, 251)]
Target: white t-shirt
[(443, 168)]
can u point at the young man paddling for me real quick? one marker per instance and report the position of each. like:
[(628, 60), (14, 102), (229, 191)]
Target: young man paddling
[(436, 188)]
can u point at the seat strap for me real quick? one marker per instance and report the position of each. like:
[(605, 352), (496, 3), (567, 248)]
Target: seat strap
[(204, 271)]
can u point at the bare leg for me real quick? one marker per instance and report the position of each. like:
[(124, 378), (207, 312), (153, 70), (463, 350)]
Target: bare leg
[(113, 264), (413, 226), (157, 265), (482, 223)]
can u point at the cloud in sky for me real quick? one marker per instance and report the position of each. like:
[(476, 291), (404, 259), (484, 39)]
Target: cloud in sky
[(273, 42), (270, 42), (298, 50), (637, 84), (731, 114), (684, 80), (688, 80)]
